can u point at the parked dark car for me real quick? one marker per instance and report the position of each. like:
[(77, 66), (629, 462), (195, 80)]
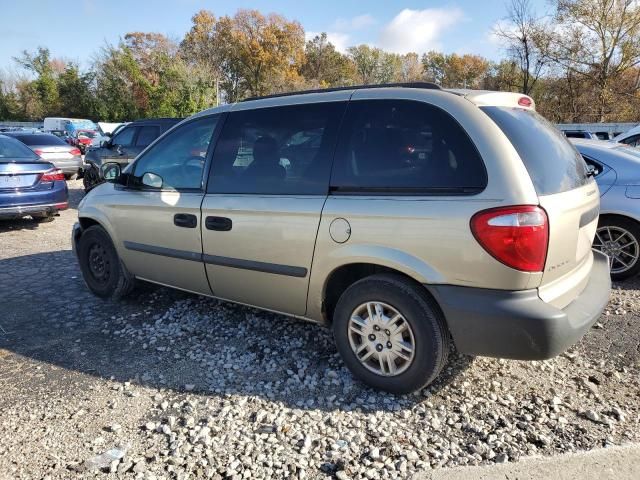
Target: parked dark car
[(580, 134), (123, 146), (53, 149), (28, 184)]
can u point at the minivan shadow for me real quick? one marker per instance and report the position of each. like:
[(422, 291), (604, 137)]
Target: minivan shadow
[(168, 339)]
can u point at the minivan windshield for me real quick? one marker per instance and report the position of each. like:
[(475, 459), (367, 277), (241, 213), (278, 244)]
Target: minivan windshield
[(554, 165)]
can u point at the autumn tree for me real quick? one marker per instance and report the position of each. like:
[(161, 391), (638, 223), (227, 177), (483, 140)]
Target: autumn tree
[(257, 54), (598, 40), (456, 71)]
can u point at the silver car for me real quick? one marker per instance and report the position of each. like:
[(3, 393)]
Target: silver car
[(53, 149), (617, 170), (405, 217)]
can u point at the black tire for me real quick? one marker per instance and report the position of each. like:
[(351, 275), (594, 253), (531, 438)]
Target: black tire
[(43, 217), (633, 228), (420, 311), (91, 178), (102, 270)]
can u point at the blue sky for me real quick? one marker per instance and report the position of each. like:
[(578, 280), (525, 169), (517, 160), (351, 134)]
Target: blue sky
[(77, 29)]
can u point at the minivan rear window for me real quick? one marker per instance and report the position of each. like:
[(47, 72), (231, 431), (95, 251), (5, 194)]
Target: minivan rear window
[(554, 165)]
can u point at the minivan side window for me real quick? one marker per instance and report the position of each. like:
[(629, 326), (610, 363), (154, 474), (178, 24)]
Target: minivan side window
[(277, 151), (396, 146), (179, 157), (124, 137)]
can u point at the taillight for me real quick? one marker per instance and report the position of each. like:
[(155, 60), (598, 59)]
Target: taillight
[(38, 151), (52, 175), (75, 151), (516, 236), (525, 102)]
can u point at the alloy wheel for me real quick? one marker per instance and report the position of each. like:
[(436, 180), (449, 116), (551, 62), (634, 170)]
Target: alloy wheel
[(620, 245)]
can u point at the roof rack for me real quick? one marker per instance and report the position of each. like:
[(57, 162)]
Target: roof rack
[(425, 85)]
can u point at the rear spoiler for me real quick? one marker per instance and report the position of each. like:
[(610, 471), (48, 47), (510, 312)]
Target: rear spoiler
[(488, 98)]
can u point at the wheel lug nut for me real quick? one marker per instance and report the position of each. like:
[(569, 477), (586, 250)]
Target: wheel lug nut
[(387, 332), (389, 345), (372, 337), (379, 347), (376, 328)]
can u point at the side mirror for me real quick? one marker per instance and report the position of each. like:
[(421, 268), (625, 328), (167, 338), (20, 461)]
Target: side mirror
[(111, 171), (152, 180)]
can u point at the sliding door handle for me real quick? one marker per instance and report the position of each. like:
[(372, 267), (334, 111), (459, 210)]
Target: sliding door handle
[(185, 220), (222, 224)]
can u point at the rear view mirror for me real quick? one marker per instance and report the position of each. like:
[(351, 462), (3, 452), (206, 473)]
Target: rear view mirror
[(152, 180), (111, 171)]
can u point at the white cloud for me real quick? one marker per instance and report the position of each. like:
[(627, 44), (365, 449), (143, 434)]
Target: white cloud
[(338, 39), (500, 26), (418, 30), (356, 23)]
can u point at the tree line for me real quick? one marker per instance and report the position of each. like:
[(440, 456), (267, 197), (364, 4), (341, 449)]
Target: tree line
[(580, 63)]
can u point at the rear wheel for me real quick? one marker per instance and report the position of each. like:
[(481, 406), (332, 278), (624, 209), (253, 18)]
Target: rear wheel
[(619, 238), (102, 270), (390, 333)]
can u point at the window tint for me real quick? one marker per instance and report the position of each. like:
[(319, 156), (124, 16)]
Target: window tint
[(124, 137), (400, 145), (281, 150), (40, 139), (576, 135), (631, 141), (11, 149), (554, 165), (179, 157), (147, 135)]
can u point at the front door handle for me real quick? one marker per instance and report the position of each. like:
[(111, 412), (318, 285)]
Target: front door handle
[(185, 220), (222, 224)]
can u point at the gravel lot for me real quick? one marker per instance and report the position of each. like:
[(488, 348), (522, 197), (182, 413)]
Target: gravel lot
[(170, 385)]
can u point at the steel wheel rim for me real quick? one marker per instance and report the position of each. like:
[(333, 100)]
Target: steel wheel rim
[(620, 245), (99, 264), (381, 338)]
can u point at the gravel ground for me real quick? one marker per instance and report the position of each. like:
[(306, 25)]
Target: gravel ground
[(171, 385)]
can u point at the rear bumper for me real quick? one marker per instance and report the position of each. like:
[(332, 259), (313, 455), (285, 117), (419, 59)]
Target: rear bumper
[(518, 324), (27, 209), (69, 167), (34, 200)]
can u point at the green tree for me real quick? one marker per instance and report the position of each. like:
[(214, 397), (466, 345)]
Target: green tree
[(324, 66), (44, 87)]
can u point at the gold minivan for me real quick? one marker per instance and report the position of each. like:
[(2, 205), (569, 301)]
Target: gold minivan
[(404, 216)]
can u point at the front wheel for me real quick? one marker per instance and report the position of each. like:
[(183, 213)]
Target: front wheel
[(390, 333), (619, 238), (102, 270)]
